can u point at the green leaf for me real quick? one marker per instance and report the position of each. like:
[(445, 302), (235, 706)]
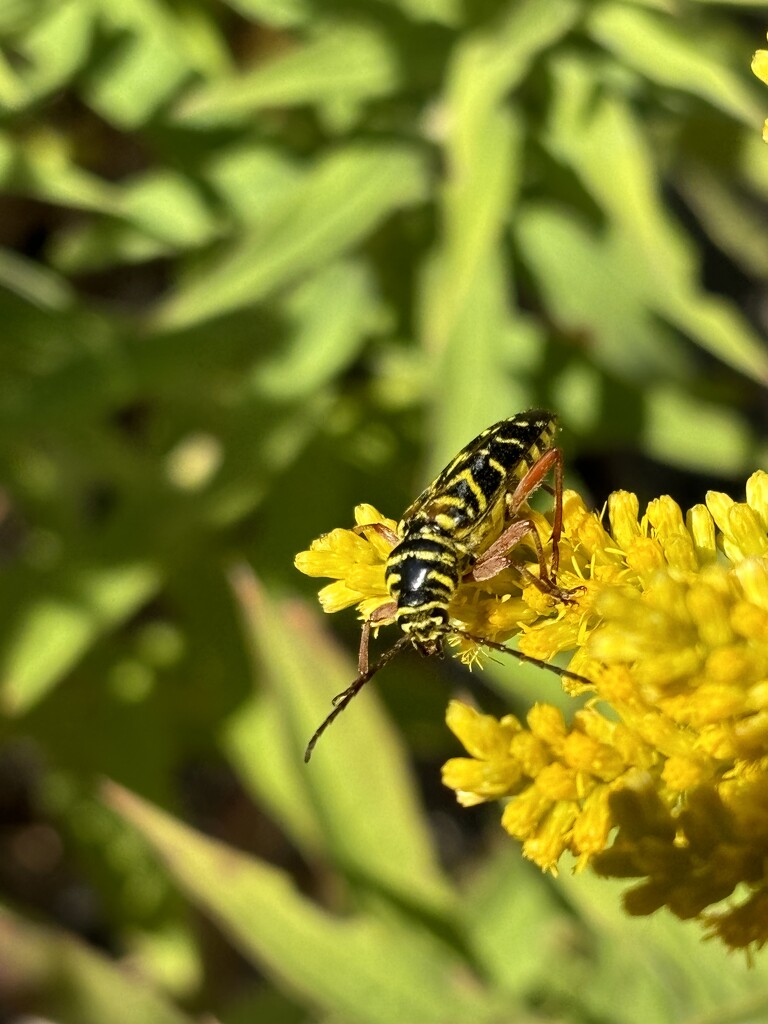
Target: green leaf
[(328, 317), (720, 443), (602, 141), (262, 1004), (444, 12), (466, 309), (357, 786), (34, 282), (717, 327), (148, 58), (730, 219), (672, 55), (356, 967), (513, 915), (732, 3), (615, 962), (703, 981), (255, 745), (342, 199), (472, 388), (344, 61), (751, 163), (257, 183), (158, 214), (16, 15), (594, 283), (59, 975), (162, 214), (12, 91), (56, 48), (169, 208), (41, 167), (98, 245), (51, 630)]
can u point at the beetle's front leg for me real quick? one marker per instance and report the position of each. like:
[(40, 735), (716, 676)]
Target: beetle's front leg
[(379, 616), (383, 531)]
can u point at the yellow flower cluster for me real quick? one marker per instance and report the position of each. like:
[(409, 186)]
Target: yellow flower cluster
[(663, 776), (560, 777), (673, 747)]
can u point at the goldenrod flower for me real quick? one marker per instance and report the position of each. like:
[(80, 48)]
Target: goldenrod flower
[(663, 776), (495, 609), (673, 747), (760, 68), (560, 777), (355, 559)]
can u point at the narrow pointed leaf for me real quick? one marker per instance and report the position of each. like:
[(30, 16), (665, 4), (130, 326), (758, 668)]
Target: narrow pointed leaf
[(467, 308), (358, 967), (342, 61), (342, 200), (357, 783), (668, 52)]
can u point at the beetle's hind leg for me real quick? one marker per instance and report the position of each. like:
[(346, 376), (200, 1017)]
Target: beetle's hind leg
[(551, 460), (498, 557)]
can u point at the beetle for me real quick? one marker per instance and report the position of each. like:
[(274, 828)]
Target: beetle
[(441, 539)]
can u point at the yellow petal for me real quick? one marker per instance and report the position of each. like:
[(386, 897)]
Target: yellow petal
[(483, 736), (760, 65), (757, 493), (702, 528), (623, 509)]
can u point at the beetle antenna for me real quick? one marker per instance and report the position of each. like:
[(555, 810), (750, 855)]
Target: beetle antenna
[(341, 700), (485, 642)]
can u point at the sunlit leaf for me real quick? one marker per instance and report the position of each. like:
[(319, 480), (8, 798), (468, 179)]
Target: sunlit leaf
[(702, 980), (56, 48), (257, 183), (41, 167), (445, 12), (357, 966), (604, 144), (597, 285), (16, 15), (148, 59), (279, 13), (53, 629), (513, 912), (157, 215), (33, 282), (672, 55), (344, 197), (730, 219), (365, 808), (686, 431), (467, 297), (342, 61), (329, 316)]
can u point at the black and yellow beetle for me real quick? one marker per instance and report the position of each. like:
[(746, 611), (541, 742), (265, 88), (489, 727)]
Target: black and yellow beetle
[(440, 535)]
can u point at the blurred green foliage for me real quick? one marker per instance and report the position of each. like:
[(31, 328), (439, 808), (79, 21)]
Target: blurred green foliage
[(261, 260)]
